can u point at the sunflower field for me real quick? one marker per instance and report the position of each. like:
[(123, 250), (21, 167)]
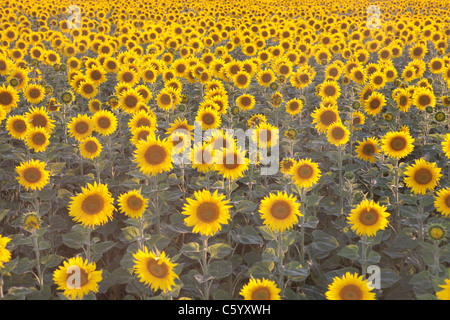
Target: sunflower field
[(224, 150)]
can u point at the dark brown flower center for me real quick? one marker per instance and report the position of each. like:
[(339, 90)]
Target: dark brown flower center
[(398, 143), (93, 204), (155, 155), (91, 146), (338, 133), (368, 217), (6, 98), (328, 117), (39, 120), (39, 138), (423, 176), (19, 126), (32, 175), (280, 210), (351, 292), (81, 127), (157, 270), (261, 293), (134, 202), (207, 212), (305, 171)]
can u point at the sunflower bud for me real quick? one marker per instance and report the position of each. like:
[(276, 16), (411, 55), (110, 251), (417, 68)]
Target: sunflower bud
[(235, 110), (439, 116), (182, 108), (274, 86), (429, 109), (14, 82), (436, 232), (356, 105)]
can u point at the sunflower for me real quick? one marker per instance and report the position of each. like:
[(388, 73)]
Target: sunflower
[(132, 204), (408, 73), (180, 125), (154, 270), (397, 144), (245, 102), (17, 126), (241, 79), (358, 75), (436, 65), (153, 156), (93, 206), (367, 218), (130, 100), (366, 149), (8, 98), (423, 98), (5, 254), (265, 77), (209, 118), (305, 173), (38, 117), (446, 145), (105, 122), (221, 139), (338, 134), (329, 89), (444, 294), (266, 135), (96, 75), (324, 116), (87, 89), (202, 157), (358, 119), (206, 212), (294, 106), (286, 165), (442, 201), (436, 231), (279, 211), (422, 176), (231, 163), (90, 148), (260, 289), (377, 80), (77, 278), (349, 287), (374, 103), (128, 75), (37, 139), (32, 174), (256, 119), (418, 51), (403, 99), (181, 141), (80, 127), (143, 118)]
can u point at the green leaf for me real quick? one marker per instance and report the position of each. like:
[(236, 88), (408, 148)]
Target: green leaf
[(388, 278), (246, 235), (312, 200), (75, 239), (220, 269), (219, 250), (102, 247), (323, 243), (130, 234), (191, 250), (350, 252), (52, 260)]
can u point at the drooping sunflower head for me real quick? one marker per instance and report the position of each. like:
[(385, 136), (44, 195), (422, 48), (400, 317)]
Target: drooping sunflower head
[(422, 176), (153, 156), (206, 212), (367, 218), (93, 206), (260, 289), (77, 277), (349, 287), (305, 173), (32, 175), (398, 144), (279, 211), (156, 271), (31, 221), (132, 204)]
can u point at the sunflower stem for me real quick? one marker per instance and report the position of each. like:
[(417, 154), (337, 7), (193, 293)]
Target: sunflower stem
[(364, 247), (280, 255), (436, 258), (38, 259), (156, 204), (141, 232), (88, 243), (341, 180), (396, 193), (302, 227), (1, 286), (205, 268)]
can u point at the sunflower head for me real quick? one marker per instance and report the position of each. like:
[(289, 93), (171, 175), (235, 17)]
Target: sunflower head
[(367, 218), (436, 232), (349, 287), (260, 289)]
